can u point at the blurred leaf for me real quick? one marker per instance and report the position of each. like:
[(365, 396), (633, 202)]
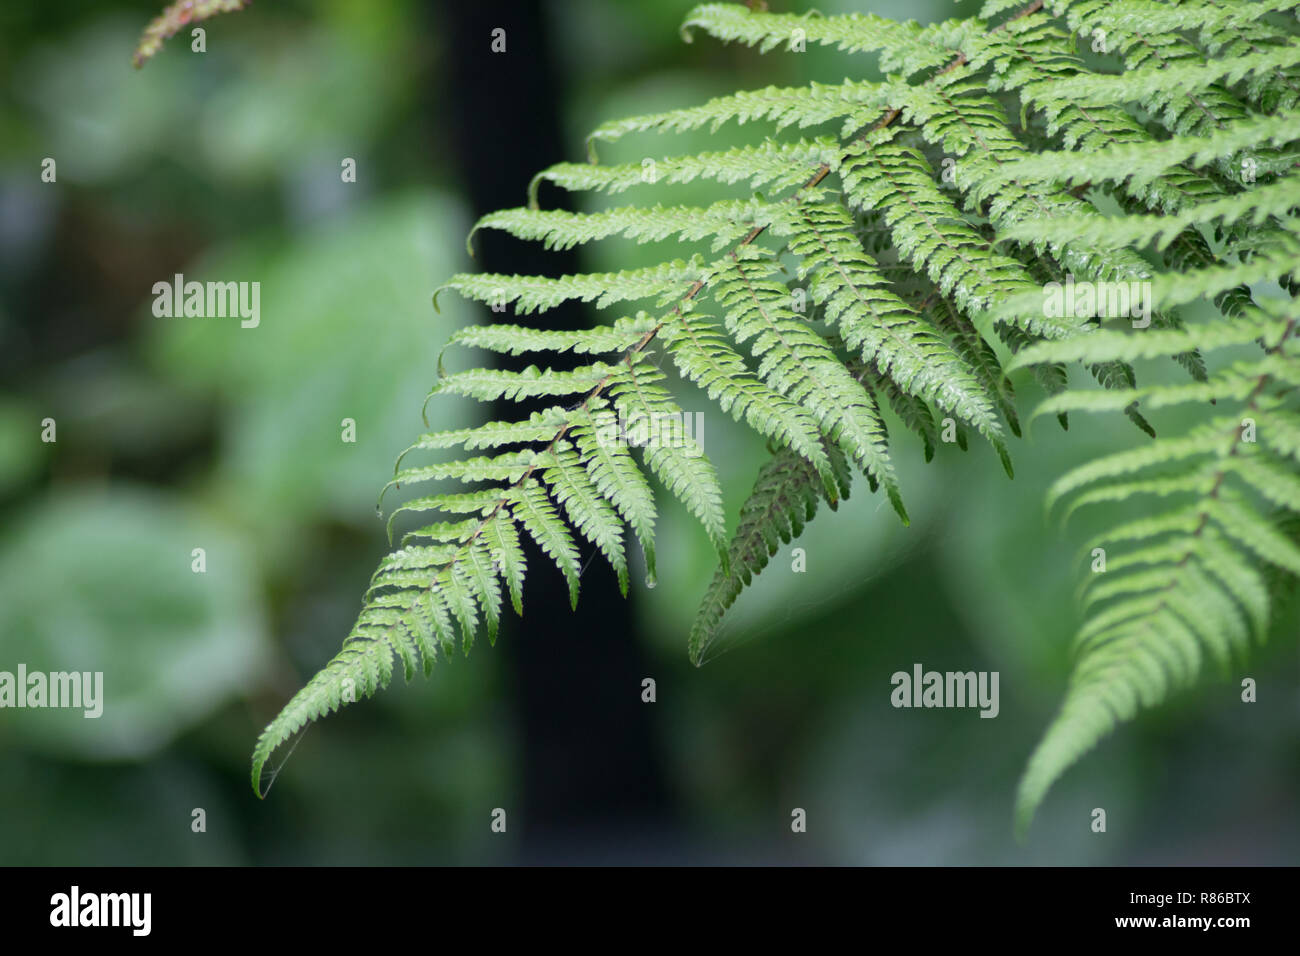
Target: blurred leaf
[(102, 581), (21, 448), (95, 116), (347, 331)]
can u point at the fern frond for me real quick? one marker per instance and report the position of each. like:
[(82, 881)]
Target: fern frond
[(668, 280), (873, 320), (540, 426), (1142, 86), (488, 385), (905, 47), (784, 499), (574, 488), (930, 232), (617, 479), (1186, 107), (680, 465), (796, 362), (1106, 345), (704, 355), (1194, 582), (1279, 260), (1146, 159), (911, 238), (531, 507), (772, 164), (856, 103), (724, 223), (1274, 199)]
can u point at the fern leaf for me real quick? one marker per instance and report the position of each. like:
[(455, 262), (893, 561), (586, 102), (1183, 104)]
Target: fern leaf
[(616, 477), (905, 47), (918, 229), (854, 102), (533, 509), (873, 319), (1186, 587), (1144, 161), (507, 556), (574, 489), (514, 340), (784, 499), (724, 223), (488, 385), (798, 363), (705, 356), (1175, 77), (772, 164), (533, 293), (681, 466)]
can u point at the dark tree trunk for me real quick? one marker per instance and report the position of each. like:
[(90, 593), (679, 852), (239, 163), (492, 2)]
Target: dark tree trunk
[(592, 775)]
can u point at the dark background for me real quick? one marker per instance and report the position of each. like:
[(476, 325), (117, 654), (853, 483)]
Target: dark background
[(182, 433)]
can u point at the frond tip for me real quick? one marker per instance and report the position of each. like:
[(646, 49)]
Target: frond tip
[(784, 499), (1193, 585)]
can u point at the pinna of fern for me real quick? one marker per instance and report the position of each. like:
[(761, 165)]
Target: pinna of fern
[(1194, 582), (918, 286)]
